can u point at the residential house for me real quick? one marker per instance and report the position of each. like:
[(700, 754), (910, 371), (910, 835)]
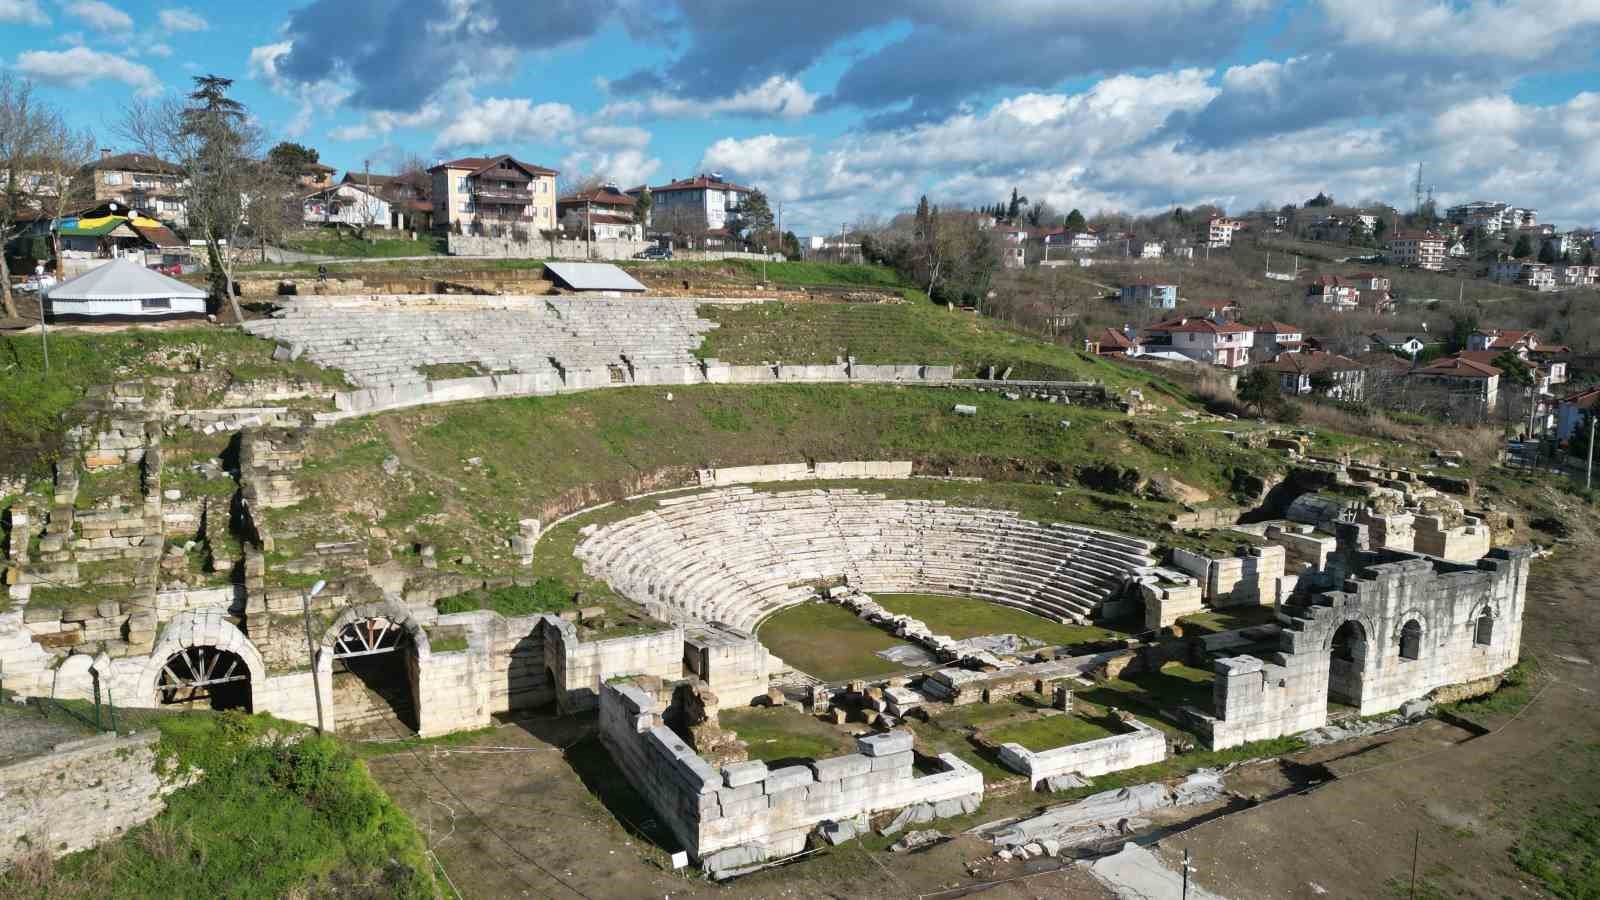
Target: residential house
[(1462, 378), (1216, 231), (1111, 342), (1142, 248), (1492, 217), (702, 206), (1274, 338), (1404, 344), (139, 180), (1014, 246), (1503, 339), (1572, 412), (1535, 275), (1221, 310), (606, 210), (1417, 250), (493, 195), (315, 176), (1150, 293), (407, 195), (1576, 275), (112, 231), (1203, 339), (1072, 241), (1458, 250), (1560, 245), (1551, 359), (346, 204), (1498, 360), (1181, 250), (1333, 292), (1297, 372)]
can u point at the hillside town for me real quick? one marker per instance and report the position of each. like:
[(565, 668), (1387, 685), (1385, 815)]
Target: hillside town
[(473, 449)]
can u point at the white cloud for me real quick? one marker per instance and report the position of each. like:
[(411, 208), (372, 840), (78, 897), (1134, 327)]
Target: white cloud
[(504, 120), (625, 167), (263, 64), (161, 51), (763, 156), (100, 16), (183, 19), (81, 66), (313, 97), (381, 123), (776, 97), (616, 136), (1526, 30), (22, 12)]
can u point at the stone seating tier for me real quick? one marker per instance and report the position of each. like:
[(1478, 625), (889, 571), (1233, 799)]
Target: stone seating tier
[(379, 344), (736, 555)]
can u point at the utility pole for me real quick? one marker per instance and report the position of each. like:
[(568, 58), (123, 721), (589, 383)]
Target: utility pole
[(311, 647), (1416, 844), (1588, 475), (1186, 869)]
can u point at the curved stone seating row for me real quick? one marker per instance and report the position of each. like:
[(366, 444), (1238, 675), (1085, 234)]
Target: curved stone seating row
[(735, 556), (377, 343)]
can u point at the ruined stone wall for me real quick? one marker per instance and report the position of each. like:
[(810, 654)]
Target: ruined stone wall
[(1245, 579), (78, 795), (580, 668), (745, 813), (1141, 746), (887, 469), (1462, 543)]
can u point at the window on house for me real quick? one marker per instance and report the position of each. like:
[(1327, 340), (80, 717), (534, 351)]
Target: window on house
[(162, 303), (462, 184), (1483, 630), (113, 178), (1411, 640)]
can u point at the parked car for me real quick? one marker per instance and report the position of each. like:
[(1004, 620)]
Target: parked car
[(654, 253)]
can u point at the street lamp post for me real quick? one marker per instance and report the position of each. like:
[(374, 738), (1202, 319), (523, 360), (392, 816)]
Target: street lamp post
[(311, 650)]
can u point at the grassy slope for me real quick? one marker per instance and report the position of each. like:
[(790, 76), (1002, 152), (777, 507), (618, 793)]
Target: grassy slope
[(267, 818), (535, 449), (343, 244)]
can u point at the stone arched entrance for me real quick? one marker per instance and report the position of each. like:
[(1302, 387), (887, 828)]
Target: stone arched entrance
[(202, 661), (1348, 650), (369, 663)]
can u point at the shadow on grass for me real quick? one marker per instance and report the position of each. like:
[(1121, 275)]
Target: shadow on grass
[(600, 774)]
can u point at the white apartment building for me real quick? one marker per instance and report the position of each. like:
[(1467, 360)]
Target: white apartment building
[(1205, 340), (1417, 250), (1143, 249), (1216, 232), (704, 203)]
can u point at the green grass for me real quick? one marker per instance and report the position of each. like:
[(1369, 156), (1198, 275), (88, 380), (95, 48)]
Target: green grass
[(272, 814), (1517, 689), (1216, 620), (345, 245), (829, 642), (1561, 844), (1174, 686), (780, 734), (1048, 732), (962, 617), (546, 595)]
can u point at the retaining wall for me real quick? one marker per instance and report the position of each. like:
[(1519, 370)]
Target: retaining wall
[(804, 472), (745, 813), (1140, 747), (78, 795), (538, 248)]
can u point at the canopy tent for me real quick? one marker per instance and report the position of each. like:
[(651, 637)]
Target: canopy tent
[(124, 289), (587, 277)]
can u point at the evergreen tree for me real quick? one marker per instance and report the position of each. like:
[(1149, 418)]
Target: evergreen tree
[(1547, 253), (1075, 221), (1523, 248), (1320, 199), (1379, 230), (291, 158), (1016, 205), (1257, 389), (1588, 256)]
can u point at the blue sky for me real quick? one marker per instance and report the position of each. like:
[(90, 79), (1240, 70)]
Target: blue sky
[(850, 111)]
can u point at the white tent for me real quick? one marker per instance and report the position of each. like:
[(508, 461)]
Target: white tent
[(124, 289)]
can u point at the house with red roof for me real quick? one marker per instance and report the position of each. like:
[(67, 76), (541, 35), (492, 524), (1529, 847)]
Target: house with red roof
[(1203, 340), (1274, 338), (605, 210), (702, 207), (493, 195), (1335, 376), (1571, 412), (1111, 342), (1333, 292), (1462, 377)]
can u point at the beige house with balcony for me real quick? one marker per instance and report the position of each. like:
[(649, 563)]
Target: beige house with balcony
[(1417, 250), (494, 195), (141, 181)]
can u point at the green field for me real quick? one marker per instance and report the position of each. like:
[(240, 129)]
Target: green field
[(1048, 732), (1176, 685), (780, 734), (963, 617), (324, 242), (829, 642)]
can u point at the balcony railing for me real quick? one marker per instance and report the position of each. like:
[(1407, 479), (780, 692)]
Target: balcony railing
[(502, 195)]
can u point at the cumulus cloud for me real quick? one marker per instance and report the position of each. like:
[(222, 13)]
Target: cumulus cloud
[(1522, 31), (506, 120), (776, 97), (625, 167), (100, 16), (762, 156), (312, 97), (615, 136), (22, 12), (80, 67), (183, 19)]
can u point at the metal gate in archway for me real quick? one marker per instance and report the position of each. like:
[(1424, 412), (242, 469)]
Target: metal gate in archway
[(204, 673), (369, 637)]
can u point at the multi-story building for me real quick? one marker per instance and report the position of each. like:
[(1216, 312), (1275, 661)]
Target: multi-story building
[(605, 210), (1151, 293), (1296, 373), (1535, 275), (1146, 249), (1014, 249), (1577, 276), (144, 182), (1417, 250), (1205, 340), (1333, 292), (1463, 378), (1274, 338), (688, 208), (493, 195), (1492, 217), (347, 204), (1216, 231), (407, 196)]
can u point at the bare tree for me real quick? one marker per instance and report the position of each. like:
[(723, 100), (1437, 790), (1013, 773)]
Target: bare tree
[(39, 155), (74, 187), (216, 148)]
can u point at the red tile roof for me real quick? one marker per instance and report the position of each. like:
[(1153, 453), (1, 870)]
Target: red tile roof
[(1278, 328), (1309, 361), (1489, 357), (1584, 399), (477, 164), (1115, 339), (1199, 324), (700, 183), (600, 197), (1455, 367)]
